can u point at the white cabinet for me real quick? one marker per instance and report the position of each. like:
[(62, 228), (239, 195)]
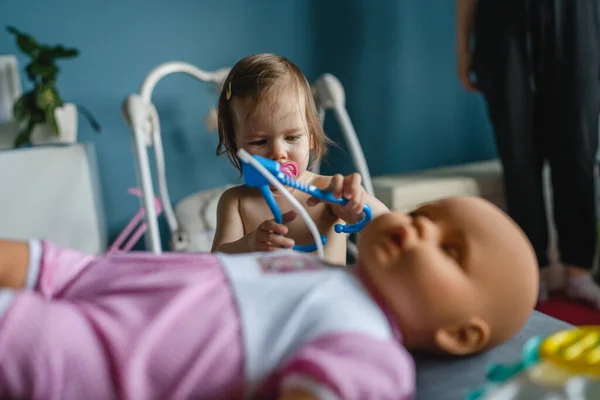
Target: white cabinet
[(404, 192), (52, 192)]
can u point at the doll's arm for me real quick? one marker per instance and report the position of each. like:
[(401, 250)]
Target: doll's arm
[(349, 366), (39, 265), (14, 262)]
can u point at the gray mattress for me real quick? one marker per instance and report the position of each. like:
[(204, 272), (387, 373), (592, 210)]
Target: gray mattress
[(444, 378)]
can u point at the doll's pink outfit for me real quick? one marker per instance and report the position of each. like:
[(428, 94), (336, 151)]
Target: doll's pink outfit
[(204, 326)]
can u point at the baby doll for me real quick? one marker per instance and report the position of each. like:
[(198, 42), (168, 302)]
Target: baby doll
[(266, 108), (457, 276)]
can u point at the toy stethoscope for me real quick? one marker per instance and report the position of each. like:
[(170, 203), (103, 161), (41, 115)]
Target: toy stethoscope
[(261, 172)]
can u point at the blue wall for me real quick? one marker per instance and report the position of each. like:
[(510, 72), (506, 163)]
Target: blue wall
[(396, 60), (398, 66)]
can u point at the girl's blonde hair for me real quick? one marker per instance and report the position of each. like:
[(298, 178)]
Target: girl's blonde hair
[(255, 77)]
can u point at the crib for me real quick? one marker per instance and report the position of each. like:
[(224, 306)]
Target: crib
[(192, 221)]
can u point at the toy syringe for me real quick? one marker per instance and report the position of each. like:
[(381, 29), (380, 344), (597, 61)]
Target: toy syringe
[(261, 172)]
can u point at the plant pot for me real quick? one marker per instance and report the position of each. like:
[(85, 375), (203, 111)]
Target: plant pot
[(66, 119)]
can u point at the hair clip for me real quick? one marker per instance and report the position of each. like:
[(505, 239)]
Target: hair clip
[(228, 91)]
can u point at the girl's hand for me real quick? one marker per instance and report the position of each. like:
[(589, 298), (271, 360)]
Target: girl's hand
[(351, 189), (270, 235)]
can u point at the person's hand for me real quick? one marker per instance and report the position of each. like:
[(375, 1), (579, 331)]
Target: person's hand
[(270, 235), (465, 68), (351, 189)]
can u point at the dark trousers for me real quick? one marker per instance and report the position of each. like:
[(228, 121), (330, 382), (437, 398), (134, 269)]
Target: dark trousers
[(537, 64)]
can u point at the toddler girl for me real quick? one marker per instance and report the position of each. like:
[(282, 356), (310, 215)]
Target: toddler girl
[(266, 107)]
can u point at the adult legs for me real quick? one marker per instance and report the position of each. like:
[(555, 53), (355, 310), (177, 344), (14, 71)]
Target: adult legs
[(574, 73), (571, 86), (504, 77)]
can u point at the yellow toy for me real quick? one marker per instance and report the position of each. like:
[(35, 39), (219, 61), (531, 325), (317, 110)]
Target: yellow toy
[(560, 363)]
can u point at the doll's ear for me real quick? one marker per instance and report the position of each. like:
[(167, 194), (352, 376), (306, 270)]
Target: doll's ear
[(464, 339)]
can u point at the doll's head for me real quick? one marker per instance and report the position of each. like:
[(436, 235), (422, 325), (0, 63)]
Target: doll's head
[(267, 108), (458, 274)]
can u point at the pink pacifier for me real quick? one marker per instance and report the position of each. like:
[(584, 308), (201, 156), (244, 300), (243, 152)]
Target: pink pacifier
[(290, 168)]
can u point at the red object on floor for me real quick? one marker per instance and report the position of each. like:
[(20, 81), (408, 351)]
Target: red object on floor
[(573, 312)]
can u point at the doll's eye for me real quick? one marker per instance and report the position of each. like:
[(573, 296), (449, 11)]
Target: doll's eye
[(452, 250)]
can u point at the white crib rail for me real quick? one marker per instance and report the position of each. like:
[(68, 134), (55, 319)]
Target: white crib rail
[(330, 95), (141, 116)]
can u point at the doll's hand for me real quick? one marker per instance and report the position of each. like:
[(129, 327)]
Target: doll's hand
[(351, 189), (269, 235)]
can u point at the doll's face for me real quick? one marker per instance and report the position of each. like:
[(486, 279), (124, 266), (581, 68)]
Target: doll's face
[(451, 272)]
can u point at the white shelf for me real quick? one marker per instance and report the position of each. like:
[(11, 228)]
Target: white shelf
[(52, 192)]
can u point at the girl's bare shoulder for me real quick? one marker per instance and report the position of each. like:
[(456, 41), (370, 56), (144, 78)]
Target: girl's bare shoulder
[(241, 192)]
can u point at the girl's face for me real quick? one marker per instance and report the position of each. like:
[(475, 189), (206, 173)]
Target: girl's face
[(276, 129)]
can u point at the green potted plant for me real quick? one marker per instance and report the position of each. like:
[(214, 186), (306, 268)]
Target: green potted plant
[(40, 114)]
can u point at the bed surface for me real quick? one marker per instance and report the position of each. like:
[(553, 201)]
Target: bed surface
[(451, 379)]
